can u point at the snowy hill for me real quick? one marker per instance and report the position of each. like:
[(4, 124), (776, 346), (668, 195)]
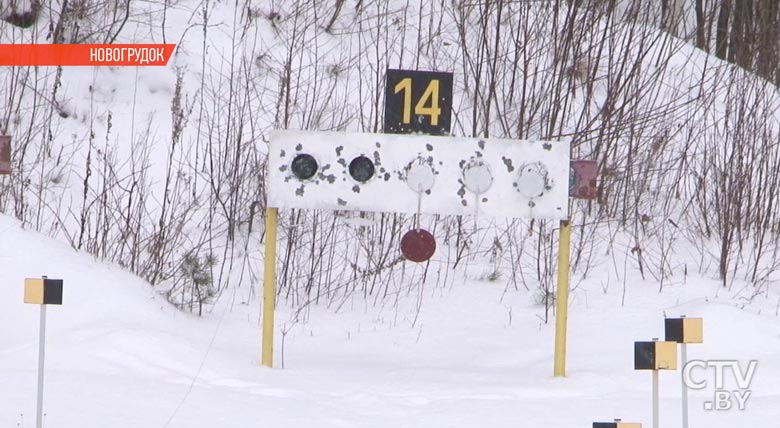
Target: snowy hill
[(144, 166), (475, 354)]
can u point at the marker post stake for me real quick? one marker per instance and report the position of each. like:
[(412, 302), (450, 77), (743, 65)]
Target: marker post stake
[(42, 291), (683, 362), (41, 357), (656, 398)]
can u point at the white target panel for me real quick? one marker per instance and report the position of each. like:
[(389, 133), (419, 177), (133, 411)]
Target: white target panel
[(406, 173)]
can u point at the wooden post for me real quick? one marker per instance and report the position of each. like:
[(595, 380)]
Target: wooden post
[(562, 299), (269, 286)]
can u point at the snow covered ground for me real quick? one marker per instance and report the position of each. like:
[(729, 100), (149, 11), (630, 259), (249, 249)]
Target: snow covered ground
[(474, 355)]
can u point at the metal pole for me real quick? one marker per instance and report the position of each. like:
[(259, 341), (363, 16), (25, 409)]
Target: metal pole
[(41, 355), (683, 363), (656, 398), (269, 286), (562, 300)]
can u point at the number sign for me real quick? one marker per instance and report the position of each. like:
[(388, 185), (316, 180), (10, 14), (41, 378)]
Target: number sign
[(418, 101)]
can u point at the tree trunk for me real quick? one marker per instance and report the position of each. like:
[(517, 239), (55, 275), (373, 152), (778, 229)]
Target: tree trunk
[(735, 35), (722, 29), (671, 15), (740, 45), (767, 21), (701, 26)]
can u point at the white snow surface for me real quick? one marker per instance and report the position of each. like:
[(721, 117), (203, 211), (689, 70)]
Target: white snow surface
[(477, 354), (474, 353)]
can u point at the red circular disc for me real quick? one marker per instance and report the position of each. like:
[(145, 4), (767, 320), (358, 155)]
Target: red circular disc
[(418, 245)]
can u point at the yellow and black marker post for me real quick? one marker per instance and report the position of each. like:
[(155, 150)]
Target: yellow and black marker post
[(616, 424), (684, 331), (42, 291), (655, 356)]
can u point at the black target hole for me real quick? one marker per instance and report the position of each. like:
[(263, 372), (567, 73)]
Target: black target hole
[(304, 166), (362, 169)]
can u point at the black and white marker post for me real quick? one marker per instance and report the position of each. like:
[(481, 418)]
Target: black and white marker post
[(42, 291)]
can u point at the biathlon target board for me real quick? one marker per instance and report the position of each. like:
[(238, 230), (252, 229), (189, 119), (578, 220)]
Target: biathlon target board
[(406, 173)]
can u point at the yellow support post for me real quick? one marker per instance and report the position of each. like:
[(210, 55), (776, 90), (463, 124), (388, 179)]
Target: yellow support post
[(562, 299), (269, 286)]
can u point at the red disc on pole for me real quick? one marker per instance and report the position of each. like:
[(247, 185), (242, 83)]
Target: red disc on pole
[(418, 245)]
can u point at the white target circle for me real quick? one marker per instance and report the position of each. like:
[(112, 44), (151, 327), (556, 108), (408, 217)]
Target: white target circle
[(477, 176), (420, 176), (532, 180)]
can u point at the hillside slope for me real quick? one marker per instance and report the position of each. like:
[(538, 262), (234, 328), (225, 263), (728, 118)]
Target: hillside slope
[(143, 166), (475, 354)]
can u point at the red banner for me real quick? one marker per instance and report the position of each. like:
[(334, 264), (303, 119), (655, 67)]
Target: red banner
[(91, 55)]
